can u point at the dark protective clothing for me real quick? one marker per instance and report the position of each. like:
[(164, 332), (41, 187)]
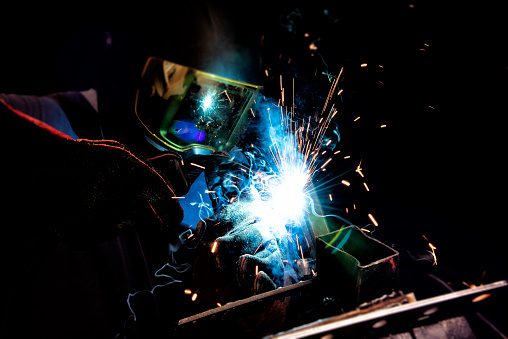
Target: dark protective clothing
[(85, 225)]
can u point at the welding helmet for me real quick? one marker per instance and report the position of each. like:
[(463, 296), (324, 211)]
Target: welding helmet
[(183, 108)]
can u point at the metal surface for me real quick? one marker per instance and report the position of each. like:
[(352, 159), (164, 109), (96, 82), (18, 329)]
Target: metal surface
[(356, 267), (407, 314), (253, 317), (234, 306)]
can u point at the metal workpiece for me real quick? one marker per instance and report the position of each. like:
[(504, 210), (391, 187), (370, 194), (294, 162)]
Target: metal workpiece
[(397, 320), (356, 267)]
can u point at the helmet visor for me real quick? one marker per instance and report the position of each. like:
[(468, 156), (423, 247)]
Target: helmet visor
[(185, 108)]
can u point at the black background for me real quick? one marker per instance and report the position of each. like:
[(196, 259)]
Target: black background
[(437, 169)]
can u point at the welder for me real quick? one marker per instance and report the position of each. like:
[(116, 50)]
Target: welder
[(92, 178)]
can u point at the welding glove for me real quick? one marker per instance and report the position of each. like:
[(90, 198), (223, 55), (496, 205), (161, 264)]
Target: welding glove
[(239, 258), (87, 222), (85, 191), (226, 177)]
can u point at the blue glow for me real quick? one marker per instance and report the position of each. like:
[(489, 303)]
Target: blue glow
[(196, 206), (187, 131), (199, 136)]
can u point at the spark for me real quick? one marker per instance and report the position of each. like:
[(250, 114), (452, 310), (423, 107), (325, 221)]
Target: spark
[(194, 297), (177, 197), (359, 169), (257, 270), (347, 157), (332, 90), (481, 297), (226, 92), (371, 217), (432, 249), (356, 119), (345, 182), (193, 164), (366, 187), (234, 176), (187, 291), (383, 126), (281, 90), (214, 247), (257, 249), (330, 196), (363, 65), (326, 163)]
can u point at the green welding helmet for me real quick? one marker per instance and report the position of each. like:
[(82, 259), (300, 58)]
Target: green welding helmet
[(184, 108)]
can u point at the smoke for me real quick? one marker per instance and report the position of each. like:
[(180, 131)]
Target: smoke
[(157, 274), (172, 275)]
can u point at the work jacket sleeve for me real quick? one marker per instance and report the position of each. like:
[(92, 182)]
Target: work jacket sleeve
[(84, 226)]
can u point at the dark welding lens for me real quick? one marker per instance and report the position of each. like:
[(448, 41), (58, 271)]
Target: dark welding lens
[(186, 108)]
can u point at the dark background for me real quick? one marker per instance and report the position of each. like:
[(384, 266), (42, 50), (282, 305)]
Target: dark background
[(437, 169)]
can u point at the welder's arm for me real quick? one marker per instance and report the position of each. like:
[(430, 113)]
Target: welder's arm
[(73, 113), (89, 189)]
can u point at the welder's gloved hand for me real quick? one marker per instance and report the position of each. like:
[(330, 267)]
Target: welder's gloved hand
[(238, 259), (83, 191)]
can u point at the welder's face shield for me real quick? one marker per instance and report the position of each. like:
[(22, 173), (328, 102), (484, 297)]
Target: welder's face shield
[(184, 108)]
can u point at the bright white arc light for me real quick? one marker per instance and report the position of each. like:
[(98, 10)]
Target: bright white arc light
[(207, 102), (288, 198)]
